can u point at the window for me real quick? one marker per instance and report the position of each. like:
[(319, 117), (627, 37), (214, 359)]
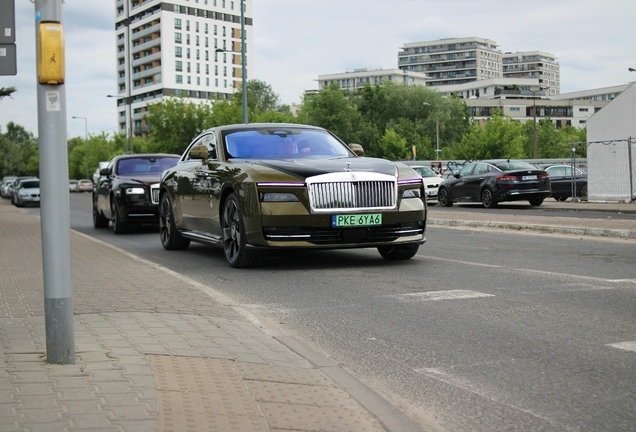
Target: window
[(178, 52), (177, 37), (179, 79), (177, 9), (197, 54), (198, 81), (178, 66), (177, 23), (196, 26), (206, 28), (189, 80)]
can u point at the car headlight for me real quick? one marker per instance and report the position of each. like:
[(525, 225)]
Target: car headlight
[(22, 193), (135, 191), (412, 193), (278, 197)]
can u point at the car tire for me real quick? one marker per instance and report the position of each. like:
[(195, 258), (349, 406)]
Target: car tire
[(488, 199), (584, 192), (535, 202), (99, 220), (171, 238), (443, 198), (234, 236), (398, 252), (119, 227)]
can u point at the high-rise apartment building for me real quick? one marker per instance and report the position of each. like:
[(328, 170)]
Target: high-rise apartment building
[(534, 64), (452, 61), (181, 47)]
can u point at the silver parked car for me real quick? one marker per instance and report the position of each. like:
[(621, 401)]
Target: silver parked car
[(27, 192)]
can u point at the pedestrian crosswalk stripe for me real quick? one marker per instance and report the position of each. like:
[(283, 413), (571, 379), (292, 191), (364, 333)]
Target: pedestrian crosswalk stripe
[(441, 295), (627, 346)]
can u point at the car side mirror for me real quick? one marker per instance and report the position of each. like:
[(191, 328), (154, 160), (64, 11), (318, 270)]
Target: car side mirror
[(199, 152), (105, 172), (357, 149)]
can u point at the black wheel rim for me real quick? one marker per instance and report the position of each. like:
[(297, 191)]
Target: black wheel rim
[(442, 197), (164, 221), (231, 231), (487, 198)]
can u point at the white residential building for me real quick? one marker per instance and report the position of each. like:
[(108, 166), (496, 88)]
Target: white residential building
[(453, 61), (534, 64), (357, 78), (182, 47)]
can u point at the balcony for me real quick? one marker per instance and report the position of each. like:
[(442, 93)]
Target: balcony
[(145, 46), (147, 59), (146, 32), (146, 73)]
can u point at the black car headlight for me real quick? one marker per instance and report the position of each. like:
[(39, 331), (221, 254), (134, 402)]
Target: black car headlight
[(278, 197), (412, 193)]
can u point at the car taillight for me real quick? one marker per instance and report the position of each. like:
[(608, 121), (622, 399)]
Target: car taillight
[(507, 178), (544, 175)]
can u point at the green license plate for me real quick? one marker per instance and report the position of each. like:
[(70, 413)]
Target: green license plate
[(356, 220)]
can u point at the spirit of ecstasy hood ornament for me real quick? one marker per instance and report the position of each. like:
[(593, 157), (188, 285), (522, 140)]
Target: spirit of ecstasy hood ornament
[(348, 168)]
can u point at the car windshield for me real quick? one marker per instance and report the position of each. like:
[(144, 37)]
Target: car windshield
[(514, 165), (281, 143), (425, 172), (30, 184), (145, 165)]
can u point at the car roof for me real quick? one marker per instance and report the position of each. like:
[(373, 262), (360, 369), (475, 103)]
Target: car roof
[(250, 126)]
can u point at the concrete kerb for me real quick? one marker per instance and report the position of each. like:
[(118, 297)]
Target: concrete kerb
[(615, 233)]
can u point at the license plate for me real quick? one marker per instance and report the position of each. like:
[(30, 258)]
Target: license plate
[(356, 220), (532, 177)]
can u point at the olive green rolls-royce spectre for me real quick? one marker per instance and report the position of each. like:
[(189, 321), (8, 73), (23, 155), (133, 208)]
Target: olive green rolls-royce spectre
[(255, 187)]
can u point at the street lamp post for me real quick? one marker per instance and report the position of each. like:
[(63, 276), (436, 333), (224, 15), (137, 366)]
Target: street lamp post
[(437, 151), (534, 138), (243, 63), (86, 139), (129, 125)]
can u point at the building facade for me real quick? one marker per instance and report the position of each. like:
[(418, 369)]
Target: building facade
[(358, 78), (182, 47), (453, 61), (539, 65)]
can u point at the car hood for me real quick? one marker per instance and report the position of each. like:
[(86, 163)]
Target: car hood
[(303, 168), (30, 190), (141, 179)]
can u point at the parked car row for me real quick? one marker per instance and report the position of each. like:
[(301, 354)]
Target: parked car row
[(22, 191), (262, 187), (494, 181)]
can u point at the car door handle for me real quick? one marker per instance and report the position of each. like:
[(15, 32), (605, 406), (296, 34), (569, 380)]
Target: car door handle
[(200, 174)]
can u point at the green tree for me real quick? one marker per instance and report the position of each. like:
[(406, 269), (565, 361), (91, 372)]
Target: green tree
[(18, 151), (394, 147), (331, 109), (175, 121), (6, 91), (499, 138), (101, 148)]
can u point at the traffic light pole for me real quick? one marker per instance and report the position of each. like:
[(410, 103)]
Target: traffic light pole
[(55, 212)]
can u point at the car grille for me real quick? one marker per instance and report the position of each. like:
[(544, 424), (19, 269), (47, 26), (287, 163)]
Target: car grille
[(348, 236), (352, 191), (154, 193)]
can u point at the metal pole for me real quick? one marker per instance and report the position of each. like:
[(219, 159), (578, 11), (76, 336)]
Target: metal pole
[(631, 167), (243, 63), (534, 139), (86, 140), (437, 133), (55, 213), (573, 173)]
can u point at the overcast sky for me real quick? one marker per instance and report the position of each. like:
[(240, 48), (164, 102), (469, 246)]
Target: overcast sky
[(297, 40)]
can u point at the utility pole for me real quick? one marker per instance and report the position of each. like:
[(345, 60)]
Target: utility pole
[(55, 209)]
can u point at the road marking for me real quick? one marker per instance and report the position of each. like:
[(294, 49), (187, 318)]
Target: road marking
[(627, 346), (441, 295), (531, 271)]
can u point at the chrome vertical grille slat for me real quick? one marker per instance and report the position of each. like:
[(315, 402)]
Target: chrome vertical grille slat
[(352, 192), (154, 193)]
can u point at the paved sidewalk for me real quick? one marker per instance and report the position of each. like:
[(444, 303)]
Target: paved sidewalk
[(552, 217), (156, 351)]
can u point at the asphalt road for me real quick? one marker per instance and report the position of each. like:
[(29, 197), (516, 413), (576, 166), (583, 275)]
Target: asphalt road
[(481, 331)]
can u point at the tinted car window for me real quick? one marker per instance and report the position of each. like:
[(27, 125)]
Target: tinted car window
[(30, 184), (145, 165), (467, 170), (514, 165), (281, 143)]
